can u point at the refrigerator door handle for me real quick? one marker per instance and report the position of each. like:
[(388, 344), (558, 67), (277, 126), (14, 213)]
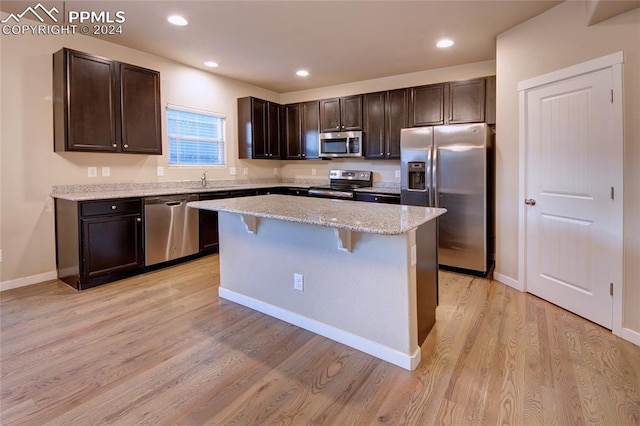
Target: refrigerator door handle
[(434, 178)]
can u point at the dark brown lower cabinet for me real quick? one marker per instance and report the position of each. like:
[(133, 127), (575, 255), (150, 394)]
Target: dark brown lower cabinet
[(98, 241), (377, 197), (208, 220)]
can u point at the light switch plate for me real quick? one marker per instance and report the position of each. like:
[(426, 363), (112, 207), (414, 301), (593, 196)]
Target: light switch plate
[(159, 171), (0, 255), (92, 171), (232, 171), (397, 173), (245, 171), (106, 171)]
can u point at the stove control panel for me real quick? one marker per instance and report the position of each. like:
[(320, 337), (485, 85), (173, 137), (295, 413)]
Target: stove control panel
[(350, 175)]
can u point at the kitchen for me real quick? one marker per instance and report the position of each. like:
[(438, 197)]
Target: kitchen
[(30, 168)]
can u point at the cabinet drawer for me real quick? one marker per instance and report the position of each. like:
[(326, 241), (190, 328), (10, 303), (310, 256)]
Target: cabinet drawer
[(97, 208), (378, 198)]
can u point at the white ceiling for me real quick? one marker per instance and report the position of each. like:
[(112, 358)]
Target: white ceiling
[(265, 42)]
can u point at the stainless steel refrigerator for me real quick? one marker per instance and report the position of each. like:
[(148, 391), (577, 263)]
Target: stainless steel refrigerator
[(451, 167)]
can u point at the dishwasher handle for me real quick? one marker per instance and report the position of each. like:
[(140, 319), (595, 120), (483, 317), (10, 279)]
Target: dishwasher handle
[(170, 201)]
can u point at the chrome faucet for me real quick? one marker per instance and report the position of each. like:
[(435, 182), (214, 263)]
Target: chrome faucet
[(203, 179)]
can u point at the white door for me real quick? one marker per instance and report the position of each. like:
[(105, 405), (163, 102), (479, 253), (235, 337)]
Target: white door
[(573, 229)]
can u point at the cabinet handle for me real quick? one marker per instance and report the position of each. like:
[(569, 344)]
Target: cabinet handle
[(113, 207), (381, 154), (138, 219), (114, 145), (126, 146), (304, 155)]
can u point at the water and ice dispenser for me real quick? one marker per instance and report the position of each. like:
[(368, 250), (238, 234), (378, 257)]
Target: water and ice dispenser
[(417, 175)]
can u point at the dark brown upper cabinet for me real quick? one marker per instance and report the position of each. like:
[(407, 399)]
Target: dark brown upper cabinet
[(260, 128), (302, 140), (140, 110), (102, 105), (466, 102), (455, 102), (385, 114), (426, 107), (341, 114)]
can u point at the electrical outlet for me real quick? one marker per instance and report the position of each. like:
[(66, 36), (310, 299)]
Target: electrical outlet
[(397, 173), (232, 171), (106, 171), (275, 170), (298, 282), (92, 171), (414, 255), (245, 171), (0, 255), (159, 171), (313, 172)]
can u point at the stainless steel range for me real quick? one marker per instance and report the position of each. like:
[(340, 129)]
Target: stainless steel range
[(342, 184)]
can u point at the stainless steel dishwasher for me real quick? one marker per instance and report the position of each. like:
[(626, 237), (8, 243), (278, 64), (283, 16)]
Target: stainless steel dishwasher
[(171, 228)]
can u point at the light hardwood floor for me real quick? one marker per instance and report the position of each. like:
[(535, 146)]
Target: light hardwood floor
[(162, 348)]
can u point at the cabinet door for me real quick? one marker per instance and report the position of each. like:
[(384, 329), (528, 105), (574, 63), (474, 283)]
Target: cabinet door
[(111, 244), (466, 101), (140, 110), (89, 114), (259, 128), (397, 114), (351, 113), (310, 130), (374, 129), (427, 105), (208, 224), (293, 131), (274, 126), (330, 115)]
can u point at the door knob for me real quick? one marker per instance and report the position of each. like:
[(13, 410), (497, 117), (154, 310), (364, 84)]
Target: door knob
[(530, 201)]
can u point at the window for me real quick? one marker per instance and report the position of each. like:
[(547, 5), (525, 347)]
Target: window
[(195, 137)]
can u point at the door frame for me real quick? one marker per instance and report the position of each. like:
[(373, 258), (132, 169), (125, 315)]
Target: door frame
[(614, 62)]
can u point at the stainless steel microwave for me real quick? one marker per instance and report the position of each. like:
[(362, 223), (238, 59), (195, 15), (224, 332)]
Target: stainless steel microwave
[(342, 144)]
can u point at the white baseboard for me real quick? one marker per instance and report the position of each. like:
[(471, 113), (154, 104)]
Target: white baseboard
[(508, 281), (25, 281), (631, 336), (408, 362)]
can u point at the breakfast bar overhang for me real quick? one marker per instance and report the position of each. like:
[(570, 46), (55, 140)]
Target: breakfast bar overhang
[(359, 273)]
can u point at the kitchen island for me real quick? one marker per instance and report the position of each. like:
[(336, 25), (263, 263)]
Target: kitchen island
[(359, 273)]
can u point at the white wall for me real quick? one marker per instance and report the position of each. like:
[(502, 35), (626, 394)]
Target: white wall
[(554, 40)]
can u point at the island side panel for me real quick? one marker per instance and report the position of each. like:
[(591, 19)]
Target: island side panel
[(426, 277), (370, 292)]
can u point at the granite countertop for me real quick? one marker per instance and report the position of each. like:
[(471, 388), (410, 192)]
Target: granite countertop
[(386, 219), (152, 192), (380, 190), (109, 192)]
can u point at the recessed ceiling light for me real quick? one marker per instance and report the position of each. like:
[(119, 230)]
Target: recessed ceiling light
[(302, 73), (211, 64), (445, 42), (177, 20)]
